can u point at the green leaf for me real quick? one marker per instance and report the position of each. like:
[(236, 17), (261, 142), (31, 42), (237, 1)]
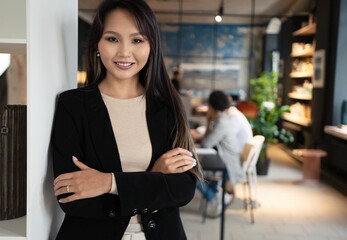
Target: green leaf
[(264, 89)]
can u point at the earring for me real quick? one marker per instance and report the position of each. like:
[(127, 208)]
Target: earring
[(97, 53)]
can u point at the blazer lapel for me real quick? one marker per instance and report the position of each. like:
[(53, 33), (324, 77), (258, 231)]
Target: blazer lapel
[(157, 122), (101, 130)]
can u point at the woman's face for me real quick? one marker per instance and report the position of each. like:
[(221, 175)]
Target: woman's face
[(124, 51)]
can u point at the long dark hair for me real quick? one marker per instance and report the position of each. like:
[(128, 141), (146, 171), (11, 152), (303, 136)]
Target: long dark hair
[(153, 76)]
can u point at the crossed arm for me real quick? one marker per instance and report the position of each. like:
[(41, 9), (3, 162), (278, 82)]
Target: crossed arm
[(89, 182)]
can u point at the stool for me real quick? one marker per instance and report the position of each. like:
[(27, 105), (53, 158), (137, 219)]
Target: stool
[(311, 162)]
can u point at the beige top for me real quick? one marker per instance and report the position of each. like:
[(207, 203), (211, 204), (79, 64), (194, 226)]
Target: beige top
[(129, 124)]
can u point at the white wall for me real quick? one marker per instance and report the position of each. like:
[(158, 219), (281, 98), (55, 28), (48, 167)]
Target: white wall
[(52, 67), (12, 26), (12, 19), (341, 70)]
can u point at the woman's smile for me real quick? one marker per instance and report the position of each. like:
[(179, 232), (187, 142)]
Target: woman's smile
[(124, 65)]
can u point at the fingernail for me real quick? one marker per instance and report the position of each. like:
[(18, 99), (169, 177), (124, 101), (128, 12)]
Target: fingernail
[(191, 154), (74, 159), (194, 164)]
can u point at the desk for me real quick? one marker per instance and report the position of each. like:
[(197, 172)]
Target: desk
[(336, 132), (212, 162)]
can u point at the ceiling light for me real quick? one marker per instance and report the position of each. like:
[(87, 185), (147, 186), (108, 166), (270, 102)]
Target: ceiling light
[(218, 17)]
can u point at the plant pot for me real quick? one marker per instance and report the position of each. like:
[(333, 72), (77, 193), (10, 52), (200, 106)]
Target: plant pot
[(13, 161), (263, 163)]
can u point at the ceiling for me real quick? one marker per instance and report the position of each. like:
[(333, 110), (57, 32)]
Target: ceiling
[(203, 11)]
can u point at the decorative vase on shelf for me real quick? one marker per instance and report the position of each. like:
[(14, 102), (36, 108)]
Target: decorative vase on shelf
[(13, 159)]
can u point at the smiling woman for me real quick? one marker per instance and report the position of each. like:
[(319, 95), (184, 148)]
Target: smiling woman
[(124, 161), (124, 52)]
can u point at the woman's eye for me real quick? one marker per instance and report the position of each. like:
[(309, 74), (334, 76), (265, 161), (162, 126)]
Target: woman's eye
[(112, 39), (137, 40)]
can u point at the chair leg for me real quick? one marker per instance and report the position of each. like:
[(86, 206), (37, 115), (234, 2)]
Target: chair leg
[(255, 184), (203, 208), (245, 188), (252, 189), (252, 214), (250, 197)]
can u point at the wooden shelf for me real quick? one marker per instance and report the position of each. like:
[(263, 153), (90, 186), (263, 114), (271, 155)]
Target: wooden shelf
[(301, 74), (308, 53), (294, 119), (14, 229), (12, 45), (300, 96), (307, 30)]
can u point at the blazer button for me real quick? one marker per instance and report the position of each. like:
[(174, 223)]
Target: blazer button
[(145, 211), (135, 211), (112, 213), (151, 224)]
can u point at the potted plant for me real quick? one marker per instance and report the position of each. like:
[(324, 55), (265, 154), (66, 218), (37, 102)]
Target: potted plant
[(264, 93)]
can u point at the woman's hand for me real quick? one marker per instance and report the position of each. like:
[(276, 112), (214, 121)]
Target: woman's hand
[(177, 160), (86, 183)]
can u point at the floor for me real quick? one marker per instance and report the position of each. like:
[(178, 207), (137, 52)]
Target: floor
[(288, 209)]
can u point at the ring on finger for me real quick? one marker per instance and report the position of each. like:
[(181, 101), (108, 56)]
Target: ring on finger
[(68, 188)]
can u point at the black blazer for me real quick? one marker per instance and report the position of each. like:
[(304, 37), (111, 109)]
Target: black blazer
[(82, 128)]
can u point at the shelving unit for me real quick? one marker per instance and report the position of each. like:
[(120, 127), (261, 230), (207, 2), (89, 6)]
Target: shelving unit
[(301, 74), (304, 53), (13, 45), (310, 29), (14, 229), (304, 122), (298, 81), (299, 96)]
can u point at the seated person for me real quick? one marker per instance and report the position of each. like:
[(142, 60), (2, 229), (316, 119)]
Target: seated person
[(175, 79), (227, 130)]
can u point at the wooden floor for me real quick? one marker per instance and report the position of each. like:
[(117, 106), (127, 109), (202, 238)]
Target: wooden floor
[(289, 210)]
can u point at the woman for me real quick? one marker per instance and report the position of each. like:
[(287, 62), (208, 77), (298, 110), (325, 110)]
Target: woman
[(123, 158)]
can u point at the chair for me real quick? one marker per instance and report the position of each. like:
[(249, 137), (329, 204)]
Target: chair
[(250, 156)]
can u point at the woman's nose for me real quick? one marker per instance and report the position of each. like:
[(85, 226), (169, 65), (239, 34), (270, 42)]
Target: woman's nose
[(123, 50)]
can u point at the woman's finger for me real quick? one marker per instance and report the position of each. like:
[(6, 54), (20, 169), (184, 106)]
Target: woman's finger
[(62, 183), (71, 198), (79, 164), (185, 168), (66, 176), (183, 163), (64, 190), (177, 151), (181, 157), (62, 177)]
